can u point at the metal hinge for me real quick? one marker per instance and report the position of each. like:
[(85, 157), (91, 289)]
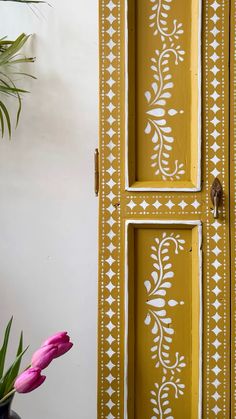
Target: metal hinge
[(96, 171)]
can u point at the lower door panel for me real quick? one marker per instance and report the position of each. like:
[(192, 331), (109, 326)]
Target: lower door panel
[(163, 324)]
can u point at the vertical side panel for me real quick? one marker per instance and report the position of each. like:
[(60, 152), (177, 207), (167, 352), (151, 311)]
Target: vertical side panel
[(216, 245), (163, 318), (110, 343), (233, 202)]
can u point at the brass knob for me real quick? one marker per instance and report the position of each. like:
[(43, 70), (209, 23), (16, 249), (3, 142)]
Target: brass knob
[(216, 196), (96, 172)]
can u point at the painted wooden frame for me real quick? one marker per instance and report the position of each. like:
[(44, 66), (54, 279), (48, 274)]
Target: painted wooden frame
[(118, 204), (232, 167)]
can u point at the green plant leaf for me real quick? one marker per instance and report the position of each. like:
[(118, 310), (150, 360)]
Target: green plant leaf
[(20, 347), (15, 367), (26, 75), (15, 92), (7, 381), (2, 124), (10, 59), (22, 60), (8, 89), (3, 349), (4, 380), (13, 48), (19, 108), (5, 113)]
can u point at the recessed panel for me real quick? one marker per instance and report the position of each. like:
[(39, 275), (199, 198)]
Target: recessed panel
[(163, 367), (164, 94)]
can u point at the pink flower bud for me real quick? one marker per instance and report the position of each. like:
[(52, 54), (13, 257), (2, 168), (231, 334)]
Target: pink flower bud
[(61, 340), (44, 356), (61, 337), (29, 380), (63, 348)]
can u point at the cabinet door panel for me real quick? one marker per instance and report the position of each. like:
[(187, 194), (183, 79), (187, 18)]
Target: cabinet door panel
[(164, 94), (163, 319), (131, 194)]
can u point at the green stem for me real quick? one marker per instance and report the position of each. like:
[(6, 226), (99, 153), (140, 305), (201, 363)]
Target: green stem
[(13, 390), (7, 395)]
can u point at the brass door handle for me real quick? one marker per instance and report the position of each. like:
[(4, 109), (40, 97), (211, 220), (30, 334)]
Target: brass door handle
[(96, 171), (216, 196)]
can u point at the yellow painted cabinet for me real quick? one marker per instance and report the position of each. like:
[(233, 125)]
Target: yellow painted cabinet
[(167, 286)]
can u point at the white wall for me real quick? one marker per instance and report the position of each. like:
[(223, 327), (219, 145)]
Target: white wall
[(48, 212)]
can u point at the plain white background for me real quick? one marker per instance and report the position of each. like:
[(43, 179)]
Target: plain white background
[(48, 212)]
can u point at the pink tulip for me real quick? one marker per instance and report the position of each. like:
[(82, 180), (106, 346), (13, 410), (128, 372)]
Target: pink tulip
[(29, 380), (60, 337), (62, 341), (44, 356), (63, 348)]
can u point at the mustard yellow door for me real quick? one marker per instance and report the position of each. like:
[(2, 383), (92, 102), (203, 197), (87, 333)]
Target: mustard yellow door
[(167, 189)]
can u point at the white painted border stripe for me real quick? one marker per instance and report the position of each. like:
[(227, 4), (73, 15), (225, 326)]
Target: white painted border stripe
[(198, 224), (133, 189)]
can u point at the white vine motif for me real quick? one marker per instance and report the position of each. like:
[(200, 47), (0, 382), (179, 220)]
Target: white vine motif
[(157, 318), (156, 126), (159, 22), (160, 400)]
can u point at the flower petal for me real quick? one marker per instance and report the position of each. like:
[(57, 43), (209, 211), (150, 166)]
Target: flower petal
[(44, 356), (60, 337), (63, 348), (29, 380)]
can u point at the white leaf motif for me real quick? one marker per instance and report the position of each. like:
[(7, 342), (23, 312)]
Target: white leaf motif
[(157, 317)]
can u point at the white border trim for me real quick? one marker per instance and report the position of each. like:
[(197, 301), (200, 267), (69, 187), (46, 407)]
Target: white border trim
[(196, 188), (127, 182), (200, 96), (133, 189), (198, 224)]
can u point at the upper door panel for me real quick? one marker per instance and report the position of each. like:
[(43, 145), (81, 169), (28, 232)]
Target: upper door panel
[(163, 66)]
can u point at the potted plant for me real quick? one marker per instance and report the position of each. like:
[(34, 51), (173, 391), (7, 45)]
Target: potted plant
[(32, 377), (10, 59)]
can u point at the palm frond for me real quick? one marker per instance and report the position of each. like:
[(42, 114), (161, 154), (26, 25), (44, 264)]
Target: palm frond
[(10, 58)]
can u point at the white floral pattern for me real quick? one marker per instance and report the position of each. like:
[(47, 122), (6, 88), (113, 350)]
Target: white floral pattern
[(159, 320), (159, 22), (159, 399), (161, 90)]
